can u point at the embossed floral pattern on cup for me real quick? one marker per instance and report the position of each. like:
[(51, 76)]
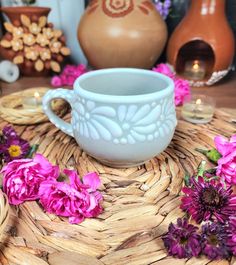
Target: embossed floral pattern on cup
[(125, 124)]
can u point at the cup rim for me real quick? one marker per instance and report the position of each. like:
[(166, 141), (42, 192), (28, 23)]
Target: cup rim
[(126, 98)]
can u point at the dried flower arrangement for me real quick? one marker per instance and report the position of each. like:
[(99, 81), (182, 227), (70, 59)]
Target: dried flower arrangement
[(35, 43)]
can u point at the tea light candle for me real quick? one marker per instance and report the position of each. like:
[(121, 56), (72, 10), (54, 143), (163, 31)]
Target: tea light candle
[(198, 109), (195, 70), (32, 102)]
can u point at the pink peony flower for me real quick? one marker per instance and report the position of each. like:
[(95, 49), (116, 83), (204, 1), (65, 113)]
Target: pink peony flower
[(56, 81), (164, 69), (182, 90), (182, 87), (22, 178), (226, 168), (75, 200)]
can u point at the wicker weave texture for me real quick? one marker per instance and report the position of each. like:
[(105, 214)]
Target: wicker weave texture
[(11, 108), (139, 203)]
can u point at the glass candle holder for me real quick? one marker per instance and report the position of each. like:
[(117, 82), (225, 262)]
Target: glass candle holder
[(195, 70), (32, 102), (198, 109)]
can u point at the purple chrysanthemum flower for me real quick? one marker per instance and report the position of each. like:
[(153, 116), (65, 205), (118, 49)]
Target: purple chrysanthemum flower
[(214, 241), (182, 240), (13, 147), (232, 235), (208, 200)]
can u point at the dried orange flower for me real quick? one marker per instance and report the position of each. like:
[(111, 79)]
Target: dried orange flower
[(55, 46), (48, 32), (18, 32), (45, 54), (29, 39), (17, 45), (34, 29), (18, 59), (42, 40), (31, 53)]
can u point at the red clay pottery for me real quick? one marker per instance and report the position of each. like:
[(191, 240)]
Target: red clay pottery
[(201, 48)]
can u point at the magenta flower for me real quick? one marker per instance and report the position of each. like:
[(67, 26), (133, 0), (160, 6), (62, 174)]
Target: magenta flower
[(56, 81), (226, 168), (208, 200), (232, 235), (22, 178), (182, 87), (164, 69), (182, 240), (182, 90), (75, 200), (214, 239), (13, 147), (68, 76)]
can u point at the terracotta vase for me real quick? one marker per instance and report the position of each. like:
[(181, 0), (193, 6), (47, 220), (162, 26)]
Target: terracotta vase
[(122, 33), (14, 13), (204, 35)]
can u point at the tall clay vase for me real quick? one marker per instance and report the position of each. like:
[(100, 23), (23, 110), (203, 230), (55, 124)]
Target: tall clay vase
[(14, 13), (203, 34), (122, 33)]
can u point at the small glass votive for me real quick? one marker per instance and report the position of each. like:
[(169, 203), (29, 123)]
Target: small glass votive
[(198, 109), (195, 70), (32, 102)]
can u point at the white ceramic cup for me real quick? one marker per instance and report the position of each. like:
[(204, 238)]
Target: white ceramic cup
[(121, 116)]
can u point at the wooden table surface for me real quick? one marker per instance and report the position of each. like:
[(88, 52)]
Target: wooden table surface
[(223, 92)]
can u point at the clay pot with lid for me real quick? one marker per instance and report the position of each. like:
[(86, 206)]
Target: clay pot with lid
[(203, 34), (122, 33)]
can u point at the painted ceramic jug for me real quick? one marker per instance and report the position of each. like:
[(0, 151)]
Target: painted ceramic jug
[(203, 35), (122, 33)]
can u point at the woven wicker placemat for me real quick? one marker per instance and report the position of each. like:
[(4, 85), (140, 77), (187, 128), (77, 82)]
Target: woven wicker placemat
[(139, 203)]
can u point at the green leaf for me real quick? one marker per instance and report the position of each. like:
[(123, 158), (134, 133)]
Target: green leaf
[(201, 169), (202, 151), (32, 150), (213, 155), (187, 180)]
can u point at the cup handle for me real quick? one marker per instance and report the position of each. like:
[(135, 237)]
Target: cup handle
[(65, 94)]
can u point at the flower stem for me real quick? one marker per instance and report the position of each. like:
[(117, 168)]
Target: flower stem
[(32, 150), (204, 152)]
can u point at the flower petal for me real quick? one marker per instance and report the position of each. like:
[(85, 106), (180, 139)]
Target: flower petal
[(92, 180)]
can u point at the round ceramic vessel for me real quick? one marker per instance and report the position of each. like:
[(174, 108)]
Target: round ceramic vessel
[(121, 116), (113, 33)]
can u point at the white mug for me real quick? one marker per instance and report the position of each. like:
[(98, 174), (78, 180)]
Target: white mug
[(121, 116)]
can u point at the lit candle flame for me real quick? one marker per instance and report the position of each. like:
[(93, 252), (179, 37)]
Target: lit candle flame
[(37, 95), (198, 101), (196, 65)]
